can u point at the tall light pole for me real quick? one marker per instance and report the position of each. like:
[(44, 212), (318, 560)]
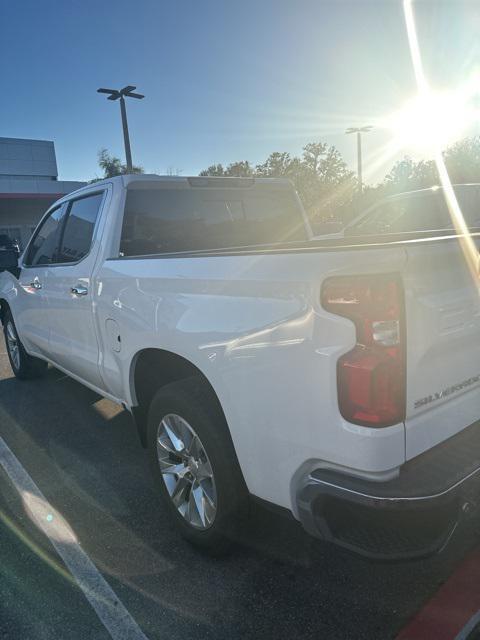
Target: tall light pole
[(120, 94), (359, 131)]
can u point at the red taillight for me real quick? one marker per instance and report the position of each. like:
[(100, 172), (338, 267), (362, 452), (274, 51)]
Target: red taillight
[(371, 377)]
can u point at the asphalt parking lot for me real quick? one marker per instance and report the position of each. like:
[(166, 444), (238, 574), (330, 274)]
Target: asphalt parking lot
[(83, 454)]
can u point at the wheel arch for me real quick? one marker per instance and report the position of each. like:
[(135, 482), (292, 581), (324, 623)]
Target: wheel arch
[(153, 368)]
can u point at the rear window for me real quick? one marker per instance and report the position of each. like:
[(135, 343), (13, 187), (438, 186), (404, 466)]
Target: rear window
[(423, 211), (170, 220)]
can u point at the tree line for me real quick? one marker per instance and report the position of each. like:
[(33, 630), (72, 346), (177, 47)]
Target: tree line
[(325, 184), (329, 190)]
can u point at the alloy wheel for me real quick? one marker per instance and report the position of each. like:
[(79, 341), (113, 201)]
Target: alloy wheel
[(13, 346), (186, 471)]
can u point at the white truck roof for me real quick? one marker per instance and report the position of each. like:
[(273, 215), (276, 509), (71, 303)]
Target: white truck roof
[(184, 182)]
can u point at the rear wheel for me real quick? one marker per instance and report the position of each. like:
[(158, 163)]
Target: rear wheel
[(23, 365), (195, 466)]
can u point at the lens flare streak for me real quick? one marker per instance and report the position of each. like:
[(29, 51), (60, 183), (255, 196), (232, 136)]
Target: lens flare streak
[(467, 244)]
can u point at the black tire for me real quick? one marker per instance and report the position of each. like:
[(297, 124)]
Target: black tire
[(192, 400), (26, 367)]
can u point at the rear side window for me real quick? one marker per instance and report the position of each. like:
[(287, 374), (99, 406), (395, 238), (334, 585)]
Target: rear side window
[(44, 244), (77, 235), (170, 220)]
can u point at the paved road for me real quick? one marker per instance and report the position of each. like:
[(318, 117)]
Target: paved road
[(83, 454)]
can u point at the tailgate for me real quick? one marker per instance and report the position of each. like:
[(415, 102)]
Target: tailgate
[(443, 344)]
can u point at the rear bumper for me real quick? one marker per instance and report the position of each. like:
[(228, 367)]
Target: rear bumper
[(411, 516)]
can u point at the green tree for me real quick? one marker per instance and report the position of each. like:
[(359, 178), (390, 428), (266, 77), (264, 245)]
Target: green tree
[(113, 166), (242, 169), (213, 170), (462, 160), (312, 155), (277, 165), (408, 174), (320, 176), (328, 189), (325, 183)]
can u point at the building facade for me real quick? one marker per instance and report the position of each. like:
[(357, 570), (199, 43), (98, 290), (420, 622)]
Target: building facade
[(28, 185)]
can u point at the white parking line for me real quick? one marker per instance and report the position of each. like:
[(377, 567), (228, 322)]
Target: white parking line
[(114, 616)]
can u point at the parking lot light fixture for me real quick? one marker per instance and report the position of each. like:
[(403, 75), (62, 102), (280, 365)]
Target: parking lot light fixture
[(359, 131), (121, 94)]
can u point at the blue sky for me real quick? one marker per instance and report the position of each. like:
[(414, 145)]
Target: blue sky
[(223, 80)]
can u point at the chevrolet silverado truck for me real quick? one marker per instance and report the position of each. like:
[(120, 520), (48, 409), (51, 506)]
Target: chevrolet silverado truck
[(336, 379)]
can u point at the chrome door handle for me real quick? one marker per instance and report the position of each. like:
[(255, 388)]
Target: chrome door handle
[(35, 284), (79, 290)]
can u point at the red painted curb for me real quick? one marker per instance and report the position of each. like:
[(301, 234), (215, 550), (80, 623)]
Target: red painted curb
[(450, 609)]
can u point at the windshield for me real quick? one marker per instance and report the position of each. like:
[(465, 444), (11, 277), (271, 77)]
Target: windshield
[(417, 212)]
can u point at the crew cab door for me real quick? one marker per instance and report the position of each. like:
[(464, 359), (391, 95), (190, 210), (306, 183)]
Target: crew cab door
[(69, 291), (30, 310)]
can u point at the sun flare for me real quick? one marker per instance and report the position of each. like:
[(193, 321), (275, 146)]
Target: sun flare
[(431, 121)]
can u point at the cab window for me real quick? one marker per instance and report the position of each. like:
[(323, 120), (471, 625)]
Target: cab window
[(43, 247), (76, 239)]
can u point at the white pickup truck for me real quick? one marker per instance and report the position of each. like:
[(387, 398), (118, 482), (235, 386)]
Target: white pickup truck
[(337, 379)]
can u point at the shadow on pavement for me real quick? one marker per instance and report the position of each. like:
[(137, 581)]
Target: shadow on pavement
[(84, 454)]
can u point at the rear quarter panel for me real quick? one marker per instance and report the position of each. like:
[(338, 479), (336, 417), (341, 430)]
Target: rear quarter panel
[(254, 327), (443, 342)]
